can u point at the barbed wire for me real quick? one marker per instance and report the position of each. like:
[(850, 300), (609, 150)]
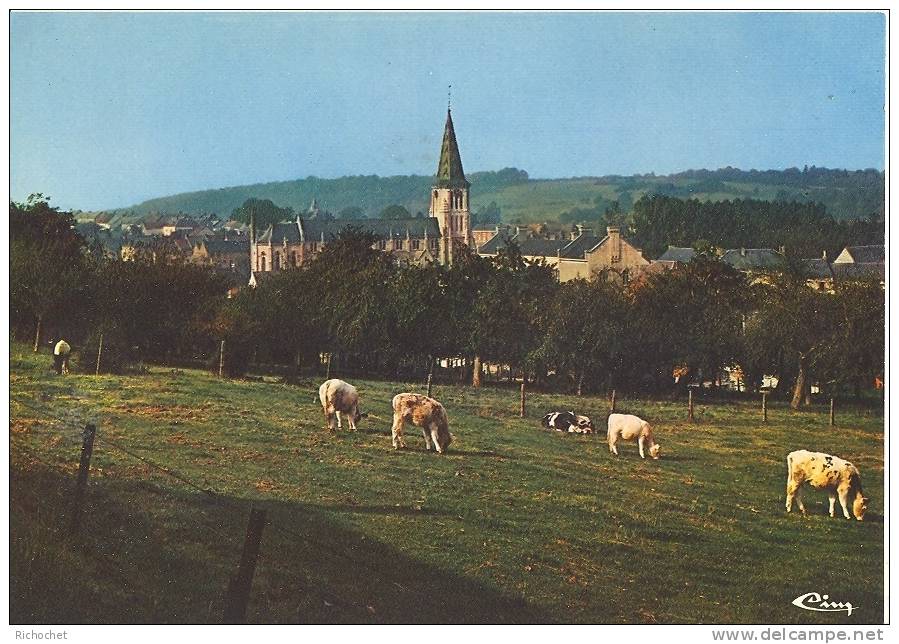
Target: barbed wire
[(76, 419)]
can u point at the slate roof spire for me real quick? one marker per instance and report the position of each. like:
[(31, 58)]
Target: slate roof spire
[(449, 171)]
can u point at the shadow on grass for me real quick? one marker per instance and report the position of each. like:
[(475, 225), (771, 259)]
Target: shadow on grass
[(150, 553)]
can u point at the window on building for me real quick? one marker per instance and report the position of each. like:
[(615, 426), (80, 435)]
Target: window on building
[(415, 244), (262, 266), (399, 244), (293, 258), (276, 262), (382, 245)]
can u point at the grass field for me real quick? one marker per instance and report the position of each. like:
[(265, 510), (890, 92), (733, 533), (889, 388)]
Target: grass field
[(513, 525)]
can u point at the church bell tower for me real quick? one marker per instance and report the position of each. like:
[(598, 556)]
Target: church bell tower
[(449, 196)]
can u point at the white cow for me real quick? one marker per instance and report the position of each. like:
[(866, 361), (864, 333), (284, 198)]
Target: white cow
[(338, 397), (825, 472), (631, 428)]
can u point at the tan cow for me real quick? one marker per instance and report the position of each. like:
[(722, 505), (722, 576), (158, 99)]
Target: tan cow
[(424, 412), (825, 472)]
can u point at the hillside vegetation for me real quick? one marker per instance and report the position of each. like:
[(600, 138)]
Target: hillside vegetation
[(514, 524), (846, 194)]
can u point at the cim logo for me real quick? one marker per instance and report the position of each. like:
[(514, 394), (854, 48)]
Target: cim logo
[(816, 602)]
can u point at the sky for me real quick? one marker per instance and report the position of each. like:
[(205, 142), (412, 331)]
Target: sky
[(110, 109)]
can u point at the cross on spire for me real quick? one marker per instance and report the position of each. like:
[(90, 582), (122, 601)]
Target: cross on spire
[(449, 98)]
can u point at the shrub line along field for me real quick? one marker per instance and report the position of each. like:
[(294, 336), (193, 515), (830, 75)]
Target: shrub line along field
[(514, 524)]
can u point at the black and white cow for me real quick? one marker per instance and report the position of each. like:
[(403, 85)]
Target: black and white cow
[(568, 421)]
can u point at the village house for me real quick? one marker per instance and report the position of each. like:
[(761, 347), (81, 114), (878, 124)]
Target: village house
[(582, 255)]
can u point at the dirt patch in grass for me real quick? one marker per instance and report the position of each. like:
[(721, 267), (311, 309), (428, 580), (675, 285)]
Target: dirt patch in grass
[(172, 412)]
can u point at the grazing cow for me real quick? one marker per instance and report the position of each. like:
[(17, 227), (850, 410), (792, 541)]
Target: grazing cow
[(338, 397), (424, 412), (825, 472), (61, 352), (568, 421), (631, 428)]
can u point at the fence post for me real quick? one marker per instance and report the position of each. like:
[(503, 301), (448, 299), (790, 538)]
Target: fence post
[(832, 419), (221, 358), (328, 367), (430, 382), (690, 404), (522, 410), (99, 353), (613, 401), (87, 448), (239, 586), (765, 406)]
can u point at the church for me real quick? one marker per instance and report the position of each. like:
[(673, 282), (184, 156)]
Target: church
[(416, 240)]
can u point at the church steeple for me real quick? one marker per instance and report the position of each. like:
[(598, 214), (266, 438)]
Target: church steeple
[(449, 170), (449, 196)]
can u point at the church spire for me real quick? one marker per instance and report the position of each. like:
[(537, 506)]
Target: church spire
[(449, 171)]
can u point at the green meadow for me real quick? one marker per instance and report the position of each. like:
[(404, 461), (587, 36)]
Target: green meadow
[(513, 525)]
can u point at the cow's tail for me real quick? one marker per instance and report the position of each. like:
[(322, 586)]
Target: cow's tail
[(789, 468)]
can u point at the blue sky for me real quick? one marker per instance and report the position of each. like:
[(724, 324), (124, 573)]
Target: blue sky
[(110, 109)]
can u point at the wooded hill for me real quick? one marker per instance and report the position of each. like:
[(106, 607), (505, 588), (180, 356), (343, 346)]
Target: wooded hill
[(846, 194)]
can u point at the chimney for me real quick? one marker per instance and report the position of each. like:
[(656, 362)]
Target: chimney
[(614, 234)]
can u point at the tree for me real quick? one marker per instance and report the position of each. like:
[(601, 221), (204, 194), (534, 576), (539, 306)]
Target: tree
[(394, 212), (49, 263), (792, 327), (265, 211), (692, 316)]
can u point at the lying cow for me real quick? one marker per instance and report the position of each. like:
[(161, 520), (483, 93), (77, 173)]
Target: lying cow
[(568, 421), (338, 397), (825, 472), (631, 428), (424, 412)]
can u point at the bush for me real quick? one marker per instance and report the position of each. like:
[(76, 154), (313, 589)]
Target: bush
[(117, 356)]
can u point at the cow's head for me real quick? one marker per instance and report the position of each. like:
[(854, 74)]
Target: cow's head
[(655, 450), (444, 437), (584, 424), (860, 506), (359, 415)]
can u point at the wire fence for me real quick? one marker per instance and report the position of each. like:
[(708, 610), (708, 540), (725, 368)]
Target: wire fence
[(69, 424)]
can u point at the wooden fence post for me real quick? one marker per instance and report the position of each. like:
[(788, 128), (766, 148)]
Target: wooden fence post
[(87, 448), (239, 586), (99, 353), (221, 358), (613, 401), (328, 367), (765, 406), (690, 404), (522, 410), (430, 383), (832, 419)]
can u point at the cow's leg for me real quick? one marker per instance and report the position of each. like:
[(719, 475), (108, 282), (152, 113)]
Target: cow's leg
[(350, 419), (799, 499), (397, 431), (613, 445), (833, 502), (329, 418), (424, 432), (434, 439), (793, 493), (641, 443), (844, 501), (339, 424)]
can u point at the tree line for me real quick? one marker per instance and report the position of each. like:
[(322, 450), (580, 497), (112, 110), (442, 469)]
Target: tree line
[(379, 316)]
